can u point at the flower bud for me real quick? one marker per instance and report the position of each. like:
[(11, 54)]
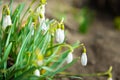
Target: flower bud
[(69, 58), (60, 35), (84, 59), (6, 21), (37, 72)]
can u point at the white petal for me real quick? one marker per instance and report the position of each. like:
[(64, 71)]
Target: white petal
[(84, 59), (60, 36), (40, 62), (41, 9), (69, 58), (41, 20), (44, 27), (6, 21), (37, 72)]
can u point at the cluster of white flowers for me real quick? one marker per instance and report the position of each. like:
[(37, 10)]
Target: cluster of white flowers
[(41, 12), (69, 58), (59, 35)]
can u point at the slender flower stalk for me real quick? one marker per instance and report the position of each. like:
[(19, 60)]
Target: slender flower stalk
[(69, 58), (84, 59), (37, 72)]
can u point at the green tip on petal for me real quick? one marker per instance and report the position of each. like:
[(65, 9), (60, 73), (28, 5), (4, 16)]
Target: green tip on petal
[(43, 1), (62, 26), (6, 10)]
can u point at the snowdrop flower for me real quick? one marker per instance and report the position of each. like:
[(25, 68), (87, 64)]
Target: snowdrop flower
[(6, 21), (69, 58), (40, 62), (41, 11), (84, 59), (44, 27), (37, 72), (60, 35)]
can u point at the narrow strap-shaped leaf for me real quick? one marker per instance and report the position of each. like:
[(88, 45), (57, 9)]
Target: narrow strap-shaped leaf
[(17, 11), (25, 74), (6, 53)]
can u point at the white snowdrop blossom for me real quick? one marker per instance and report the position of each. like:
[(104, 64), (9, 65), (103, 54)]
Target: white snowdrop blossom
[(44, 27), (41, 11), (60, 36), (40, 62), (84, 59), (37, 72), (69, 58), (6, 21)]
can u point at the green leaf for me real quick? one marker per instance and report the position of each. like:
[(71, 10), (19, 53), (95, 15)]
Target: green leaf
[(25, 75), (18, 11), (65, 67), (6, 53)]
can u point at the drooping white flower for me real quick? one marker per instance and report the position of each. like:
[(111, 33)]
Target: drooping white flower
[(84, 59), (44, 27), (40, 62), (41, 11), (69, 58), (37, 72), (60, 36), (6, 21)]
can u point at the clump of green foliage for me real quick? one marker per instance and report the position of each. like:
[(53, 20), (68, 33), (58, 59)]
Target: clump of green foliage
[(28, 50)]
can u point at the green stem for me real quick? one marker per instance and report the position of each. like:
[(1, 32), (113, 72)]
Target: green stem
[(108, 73), (62, 45), (51, 44), (83, 75), (27, 9)]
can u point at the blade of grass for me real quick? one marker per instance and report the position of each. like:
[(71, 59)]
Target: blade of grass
[(6, 53)]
